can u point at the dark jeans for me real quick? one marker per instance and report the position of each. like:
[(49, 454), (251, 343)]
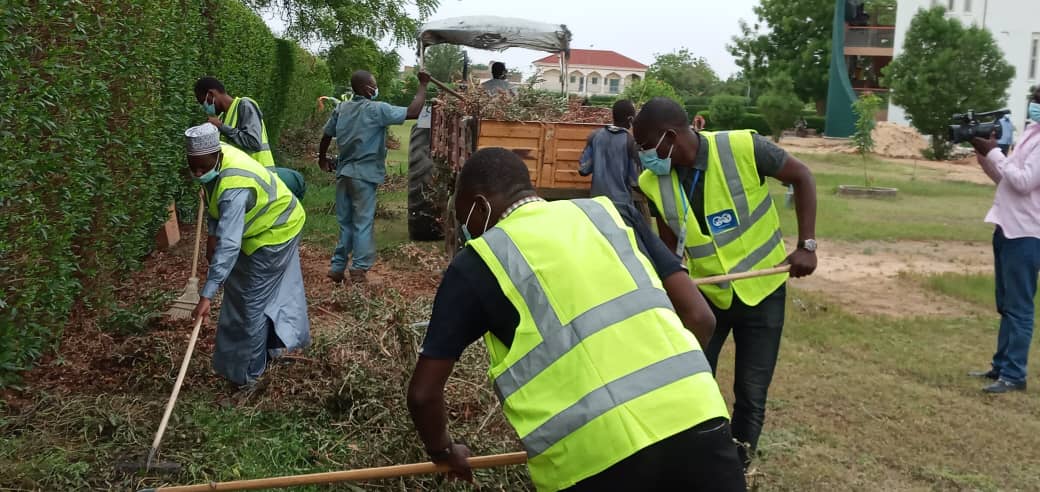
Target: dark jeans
[(1016, 262), (756, 335), (702, 458)]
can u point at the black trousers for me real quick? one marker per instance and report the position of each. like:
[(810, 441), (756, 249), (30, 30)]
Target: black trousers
[(756, 335), (701, 458)]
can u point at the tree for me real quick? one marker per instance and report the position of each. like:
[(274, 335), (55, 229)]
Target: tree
[(444, 62), (780, 105), (796, 39), (359, 53), (946, 68), (689, 75), (736, 85), (726, 111), (334, 20), (647, 89), (866, 108)]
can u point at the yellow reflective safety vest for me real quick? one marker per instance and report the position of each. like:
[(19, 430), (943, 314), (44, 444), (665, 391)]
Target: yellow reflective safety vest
[(600, 366), (276, 217), (264, 155), (743, 225)]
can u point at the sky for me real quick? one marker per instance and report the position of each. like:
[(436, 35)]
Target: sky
[(637, 29)]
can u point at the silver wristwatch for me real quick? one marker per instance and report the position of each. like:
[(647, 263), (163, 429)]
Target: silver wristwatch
[(808, 245)]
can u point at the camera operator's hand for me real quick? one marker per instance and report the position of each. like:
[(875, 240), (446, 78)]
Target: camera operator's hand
[(984, 145)]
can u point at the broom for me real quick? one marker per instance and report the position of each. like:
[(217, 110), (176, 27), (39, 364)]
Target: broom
[(185, 304)]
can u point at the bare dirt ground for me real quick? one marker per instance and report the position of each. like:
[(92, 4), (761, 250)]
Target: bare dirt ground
[(965, 169), (869, 277)]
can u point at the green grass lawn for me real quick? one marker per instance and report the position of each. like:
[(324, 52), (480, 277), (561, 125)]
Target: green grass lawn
[(925, 209)]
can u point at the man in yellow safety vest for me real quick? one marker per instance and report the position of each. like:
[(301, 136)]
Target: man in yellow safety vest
[(240, 121), (713, 208), (584, 324), (256, 223)]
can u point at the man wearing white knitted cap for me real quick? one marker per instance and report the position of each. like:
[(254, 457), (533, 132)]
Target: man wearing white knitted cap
[(256, 221)]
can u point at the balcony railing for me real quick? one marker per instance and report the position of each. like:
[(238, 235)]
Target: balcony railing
[(870, 37)]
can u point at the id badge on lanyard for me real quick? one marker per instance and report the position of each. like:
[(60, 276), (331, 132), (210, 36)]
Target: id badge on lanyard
[(680, 243)]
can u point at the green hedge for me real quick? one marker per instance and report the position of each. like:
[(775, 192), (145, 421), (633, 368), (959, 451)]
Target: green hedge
[(750, 121), (98, 95)]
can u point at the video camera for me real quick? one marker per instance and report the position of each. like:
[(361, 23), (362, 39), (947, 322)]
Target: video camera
[(969, 126)]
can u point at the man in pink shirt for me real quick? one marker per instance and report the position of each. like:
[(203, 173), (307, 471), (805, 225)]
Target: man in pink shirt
[(1016, 248)]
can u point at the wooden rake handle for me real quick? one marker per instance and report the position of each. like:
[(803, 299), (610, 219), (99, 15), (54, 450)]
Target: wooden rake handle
[(176, 391), (198, 234), (718, 279), (347, 475)]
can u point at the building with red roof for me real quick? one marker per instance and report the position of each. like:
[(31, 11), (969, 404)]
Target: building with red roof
[(590, 72)]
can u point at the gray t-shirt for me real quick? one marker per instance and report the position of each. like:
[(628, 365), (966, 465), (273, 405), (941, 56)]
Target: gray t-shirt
[(497, 85)]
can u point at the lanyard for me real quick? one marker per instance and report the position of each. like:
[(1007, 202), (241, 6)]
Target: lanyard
[(680, 243)]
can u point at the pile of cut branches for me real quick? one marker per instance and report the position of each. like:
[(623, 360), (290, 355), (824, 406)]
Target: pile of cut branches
[(527, 105)]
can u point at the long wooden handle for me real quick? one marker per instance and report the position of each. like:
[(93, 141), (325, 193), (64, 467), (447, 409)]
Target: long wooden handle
[(176, 391), (718, 279), (348, 475), (445, 88), (198, 235)]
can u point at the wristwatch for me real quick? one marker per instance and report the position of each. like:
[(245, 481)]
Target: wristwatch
[(808, 245), (440, 454)]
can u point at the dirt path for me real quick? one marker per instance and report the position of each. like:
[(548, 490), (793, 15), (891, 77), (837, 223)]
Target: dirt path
[(865, 277)]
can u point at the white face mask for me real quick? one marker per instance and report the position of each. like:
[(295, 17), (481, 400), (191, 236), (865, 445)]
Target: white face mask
[(465, 226)]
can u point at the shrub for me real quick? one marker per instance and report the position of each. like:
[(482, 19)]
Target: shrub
[(779, 105), (727, 111), (816, 123), (93, 147), (644, 90)]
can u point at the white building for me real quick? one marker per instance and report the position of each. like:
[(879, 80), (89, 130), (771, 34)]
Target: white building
[(591, 72), (1015, 28)]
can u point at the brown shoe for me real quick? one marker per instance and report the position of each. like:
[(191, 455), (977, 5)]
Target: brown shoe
[(356, 276), (336, 277)]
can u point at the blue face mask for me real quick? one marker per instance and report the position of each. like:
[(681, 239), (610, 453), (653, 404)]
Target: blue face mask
[(465, 228), (209, 107), (211, 174), (654, 163), (1034, 112)]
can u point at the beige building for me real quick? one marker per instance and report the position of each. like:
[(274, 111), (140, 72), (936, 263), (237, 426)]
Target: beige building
[(590, 72)]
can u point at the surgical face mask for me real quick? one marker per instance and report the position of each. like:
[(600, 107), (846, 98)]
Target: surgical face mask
[(211, 174), (465, 227), (654, 163), (1034, 112), (375, 93), (209, 107)]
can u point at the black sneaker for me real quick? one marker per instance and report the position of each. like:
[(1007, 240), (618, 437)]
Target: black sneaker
[(1003, 386), (990, 374)]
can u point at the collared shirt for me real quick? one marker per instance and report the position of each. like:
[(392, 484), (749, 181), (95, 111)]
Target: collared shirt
[(1007, 132), (1016, 205), (359, 126), (769, 159)]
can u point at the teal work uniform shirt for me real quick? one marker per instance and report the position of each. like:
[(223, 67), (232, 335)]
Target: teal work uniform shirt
[(359, 126)]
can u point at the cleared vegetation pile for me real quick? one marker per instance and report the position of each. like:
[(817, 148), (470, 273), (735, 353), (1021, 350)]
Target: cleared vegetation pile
[(527, 105), (99, 95)]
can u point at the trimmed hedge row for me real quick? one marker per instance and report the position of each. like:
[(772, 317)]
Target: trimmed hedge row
[(99, 95), (755, 121)]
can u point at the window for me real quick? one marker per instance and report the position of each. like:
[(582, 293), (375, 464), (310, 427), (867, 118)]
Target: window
[(595, 81), (967, 5), (1033, 54), (574, 79), (950, 5), (615, 83)]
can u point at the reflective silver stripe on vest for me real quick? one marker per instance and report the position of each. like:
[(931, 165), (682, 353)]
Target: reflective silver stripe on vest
[(284, 217), (271, 188), (609, 396), (760, 253), (558, 339), (669, 203), (733, 182)]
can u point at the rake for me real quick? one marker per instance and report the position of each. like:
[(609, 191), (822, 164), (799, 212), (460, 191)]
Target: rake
[(184, 305)]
